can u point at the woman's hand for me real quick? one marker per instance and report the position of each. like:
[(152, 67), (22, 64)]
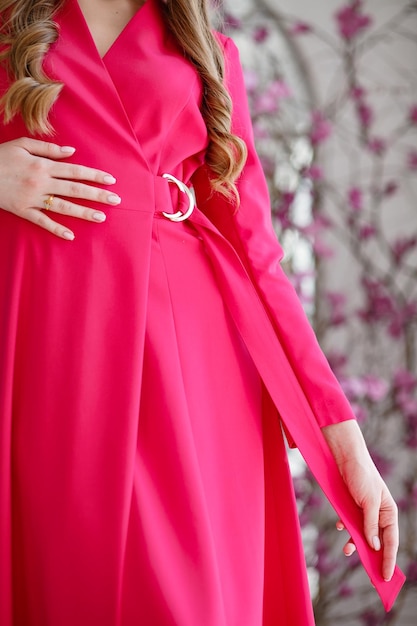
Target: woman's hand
[(368, 490), (34, 182)]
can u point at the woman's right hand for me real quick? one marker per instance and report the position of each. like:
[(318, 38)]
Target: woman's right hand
[(34, 183)]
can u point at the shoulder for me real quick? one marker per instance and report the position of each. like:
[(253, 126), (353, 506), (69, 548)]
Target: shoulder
[(226, 43), (230, 52)]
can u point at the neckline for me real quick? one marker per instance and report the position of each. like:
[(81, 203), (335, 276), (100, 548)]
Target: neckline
[(120, 36)]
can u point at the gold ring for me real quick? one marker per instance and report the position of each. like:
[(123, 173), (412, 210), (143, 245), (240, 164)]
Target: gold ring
[(48, 202)]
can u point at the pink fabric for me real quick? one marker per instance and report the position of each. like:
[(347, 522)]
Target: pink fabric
[(78, 379)]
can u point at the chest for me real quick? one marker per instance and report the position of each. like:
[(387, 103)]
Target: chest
[(141, 100), (107, 19), (143, 86)]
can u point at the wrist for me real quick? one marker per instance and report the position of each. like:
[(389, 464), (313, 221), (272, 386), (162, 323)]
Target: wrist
[(346, 442)]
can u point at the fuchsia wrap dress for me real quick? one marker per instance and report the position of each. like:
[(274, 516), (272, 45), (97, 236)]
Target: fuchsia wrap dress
[(145, 367)]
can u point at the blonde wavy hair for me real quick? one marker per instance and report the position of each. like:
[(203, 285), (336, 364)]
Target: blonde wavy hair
[(27, 30)]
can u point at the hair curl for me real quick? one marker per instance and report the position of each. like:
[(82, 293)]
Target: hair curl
[(27, 30)]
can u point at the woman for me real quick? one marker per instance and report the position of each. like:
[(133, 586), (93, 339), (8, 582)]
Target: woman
[(148, 345)]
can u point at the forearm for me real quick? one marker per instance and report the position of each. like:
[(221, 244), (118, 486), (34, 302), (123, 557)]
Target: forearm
[(346, 442)]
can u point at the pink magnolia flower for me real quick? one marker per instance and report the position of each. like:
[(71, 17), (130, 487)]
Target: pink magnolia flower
[(412, 160), (282, 210), (297, 278), (335, 298), (412, 116), (411, 439), (337, 361), (251, 80), (405, 380), (302, 486), (315, 172), (380, 305), (407, 404), (383, 464), (318, 225), (322, 250), (300, 28), (269, 100), (260, 34), (287, 198), (370, 617), (390, 188), (365, 114), (232, 22), (377, 145), (315, 501), (266, 103), (259, 131), (376, 388), (280, 89), (355, 199), (321, 128), (357, 93), (346, 591), (360, 412), (354, 387), (366, 231), (336, 301), (351, 21), (412, 572), (401, 318), (402, 246)]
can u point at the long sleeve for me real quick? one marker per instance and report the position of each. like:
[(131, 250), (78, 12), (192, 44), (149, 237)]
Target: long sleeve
[(250, 230), (303, 388)]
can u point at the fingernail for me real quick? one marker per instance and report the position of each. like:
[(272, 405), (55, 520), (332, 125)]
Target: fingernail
[(99, 217), (376, 543), (114, 199), (387, 580), (68, 235), (109, 180), (67, 149)]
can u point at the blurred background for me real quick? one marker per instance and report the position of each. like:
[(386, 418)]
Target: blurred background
[(332, 86)]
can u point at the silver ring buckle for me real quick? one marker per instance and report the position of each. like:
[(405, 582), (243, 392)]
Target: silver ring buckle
[(179, 216)]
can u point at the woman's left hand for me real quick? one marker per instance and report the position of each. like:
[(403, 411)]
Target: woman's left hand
[(368, 490)]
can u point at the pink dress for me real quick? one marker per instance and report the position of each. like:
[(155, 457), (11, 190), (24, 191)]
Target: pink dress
[(143, 475)]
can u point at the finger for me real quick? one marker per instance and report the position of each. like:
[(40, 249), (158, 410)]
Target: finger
[(64, 207), (340, 525), (44, 148), (371, 523), (349, 548), (41, 219), (390, 540), (76, 172), (73, 189)]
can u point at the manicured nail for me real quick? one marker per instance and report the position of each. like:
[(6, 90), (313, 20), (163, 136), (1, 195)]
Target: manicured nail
[(68, 235), (99, 217), (114, 199), (109, 180), (387, 580), (376, 543), (67, 149)]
